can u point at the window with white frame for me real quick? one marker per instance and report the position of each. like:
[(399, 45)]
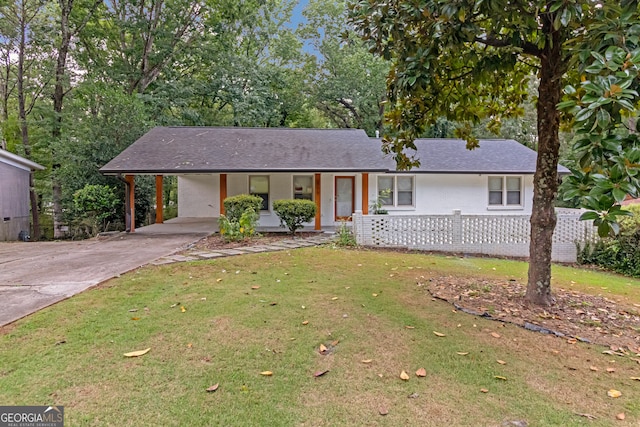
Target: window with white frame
[(396, 190), (259, 186), (505, 191), (303, 187)]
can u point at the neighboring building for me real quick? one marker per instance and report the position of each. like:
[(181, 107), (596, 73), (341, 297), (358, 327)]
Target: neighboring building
[(14, 194), (341, 170)]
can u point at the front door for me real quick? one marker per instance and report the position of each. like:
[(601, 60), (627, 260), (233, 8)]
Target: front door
[(345, 197)]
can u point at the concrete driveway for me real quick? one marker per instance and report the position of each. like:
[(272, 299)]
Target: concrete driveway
[(34, 275)]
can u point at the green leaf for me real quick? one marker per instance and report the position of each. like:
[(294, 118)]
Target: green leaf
[(584, 114), (590, 215), (604, 229), (619, 195)]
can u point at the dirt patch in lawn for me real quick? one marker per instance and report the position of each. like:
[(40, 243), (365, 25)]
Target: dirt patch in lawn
[(574, 316), (216, 241)]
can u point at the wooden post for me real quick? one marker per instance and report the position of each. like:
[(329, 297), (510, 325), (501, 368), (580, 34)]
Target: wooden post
[(159, 200), (132, 202), (223, 191), (317, 197), (365, 194)]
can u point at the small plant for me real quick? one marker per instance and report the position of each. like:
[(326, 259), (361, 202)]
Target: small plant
[(243, 228), (376, 206), (345, 235), (293, 213)]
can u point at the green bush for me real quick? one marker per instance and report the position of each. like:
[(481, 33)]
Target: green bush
[(620, 253), (235, 206), (294, 213), (94, 206), (241, 229)]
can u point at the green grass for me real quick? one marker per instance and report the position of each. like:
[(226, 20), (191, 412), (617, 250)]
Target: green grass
[(230, 333)]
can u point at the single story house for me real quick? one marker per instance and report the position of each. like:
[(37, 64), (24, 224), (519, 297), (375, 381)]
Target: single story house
[(14, 194), (342, 170)]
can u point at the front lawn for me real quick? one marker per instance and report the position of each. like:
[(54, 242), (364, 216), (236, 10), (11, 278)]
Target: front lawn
[(227, 321)]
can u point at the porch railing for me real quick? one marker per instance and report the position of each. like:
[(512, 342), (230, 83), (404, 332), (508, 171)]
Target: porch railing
[(501, 235)]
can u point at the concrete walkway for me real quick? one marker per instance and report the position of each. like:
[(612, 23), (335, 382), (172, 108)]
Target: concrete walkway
[(34, 275), (200, 254)]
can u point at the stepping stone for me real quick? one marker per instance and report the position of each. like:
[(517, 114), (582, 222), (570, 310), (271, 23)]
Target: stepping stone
[(255, 249), (209, 255), (231, 252), (162, 261)]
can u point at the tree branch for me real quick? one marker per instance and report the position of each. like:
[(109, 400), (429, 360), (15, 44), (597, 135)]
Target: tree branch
[(527, 48)]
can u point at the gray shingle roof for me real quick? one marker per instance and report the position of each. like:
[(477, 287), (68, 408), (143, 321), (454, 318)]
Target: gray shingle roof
[(504, 156), (217, 149), (179, 150)]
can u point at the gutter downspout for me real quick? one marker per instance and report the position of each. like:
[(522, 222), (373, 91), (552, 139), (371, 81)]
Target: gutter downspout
[(127, 208)]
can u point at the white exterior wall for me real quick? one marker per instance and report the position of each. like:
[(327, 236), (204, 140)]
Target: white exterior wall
[(437, 194), (198, 196)]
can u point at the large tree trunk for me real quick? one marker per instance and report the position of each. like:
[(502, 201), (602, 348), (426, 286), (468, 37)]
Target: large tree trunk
[(22, 116), (58, 98), (543, 215)]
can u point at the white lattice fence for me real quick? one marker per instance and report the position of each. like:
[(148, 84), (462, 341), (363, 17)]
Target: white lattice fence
[(505, 235)]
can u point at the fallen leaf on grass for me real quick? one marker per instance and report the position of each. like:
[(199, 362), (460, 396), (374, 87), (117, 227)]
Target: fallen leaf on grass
[(266, 373), (334, 298), (383, 411), (255, 287), (306, 322), (409, 327), (371, 360), (462, 353), (335, 343), (593, 368), (322, 349), (500, 377), (404, 376), (182, 309), (421, 372), (439, 334), (218, 280), (484, 390), (620, 416), (137, 353), (273, 303), (611, 370), (495, 334), (320, 373), (135, 318), (174, 305), (502, 362), (375, 295), (635, 378), (133, 310), (213, 388), (614, 393)]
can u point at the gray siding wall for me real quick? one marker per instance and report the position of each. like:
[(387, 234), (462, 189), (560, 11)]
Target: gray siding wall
[(14, 201)]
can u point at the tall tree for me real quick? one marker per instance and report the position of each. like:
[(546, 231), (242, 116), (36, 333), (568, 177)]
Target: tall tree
[(469, 60), (25, 16), (346, 82), (70, 27), (133, 42)]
